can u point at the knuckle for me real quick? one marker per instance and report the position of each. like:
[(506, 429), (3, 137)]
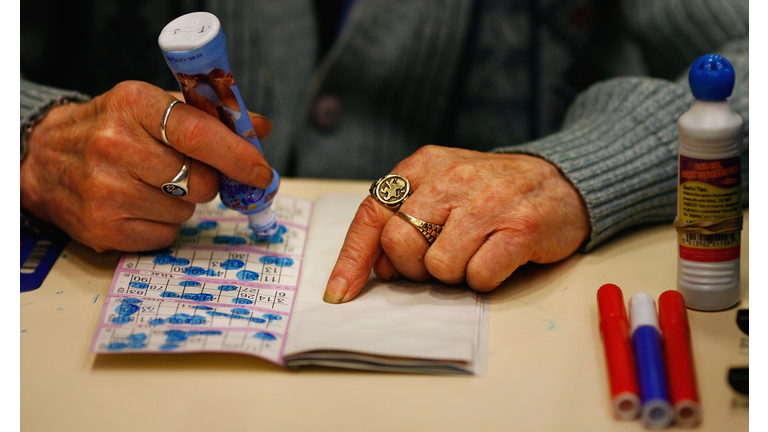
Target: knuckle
[(440, 266), (369, 214), (192, 135), (481, 278)]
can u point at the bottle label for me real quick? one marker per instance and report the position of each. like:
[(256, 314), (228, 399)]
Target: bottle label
[(709, 190)]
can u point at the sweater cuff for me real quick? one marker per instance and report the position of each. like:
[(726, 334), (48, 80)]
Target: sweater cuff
[(36, 100), (619, 150)]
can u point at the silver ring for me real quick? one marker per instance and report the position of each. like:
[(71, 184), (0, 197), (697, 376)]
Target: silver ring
[(429, 230), (178, 186), (164, 125), (391, 191)]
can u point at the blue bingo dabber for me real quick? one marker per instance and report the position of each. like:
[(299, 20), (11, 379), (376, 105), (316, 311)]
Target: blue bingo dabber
[(656, 410), (195, 49)]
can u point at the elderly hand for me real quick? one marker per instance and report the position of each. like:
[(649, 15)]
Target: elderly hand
[(499, 211), (95, 169)]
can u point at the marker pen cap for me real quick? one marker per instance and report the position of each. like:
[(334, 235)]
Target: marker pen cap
[(657, 414), (189, 31), (711, 77), (610, 303), (642, 312), (672, 311)]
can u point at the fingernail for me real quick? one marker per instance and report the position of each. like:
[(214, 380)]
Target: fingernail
[(335, 291), (262, 177), (262, 117)]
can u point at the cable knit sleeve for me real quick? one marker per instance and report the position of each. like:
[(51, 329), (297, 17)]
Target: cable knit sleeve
[(36, 100), (618, 146)]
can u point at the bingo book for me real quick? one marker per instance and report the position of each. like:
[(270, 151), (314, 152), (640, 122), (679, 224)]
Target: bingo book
[(220, 289)]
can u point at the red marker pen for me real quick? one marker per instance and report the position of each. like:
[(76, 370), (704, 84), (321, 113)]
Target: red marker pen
[(673, 320), (619, 356)]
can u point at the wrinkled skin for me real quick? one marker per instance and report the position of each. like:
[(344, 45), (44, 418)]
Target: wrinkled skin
[(95, 168), (499, 211)]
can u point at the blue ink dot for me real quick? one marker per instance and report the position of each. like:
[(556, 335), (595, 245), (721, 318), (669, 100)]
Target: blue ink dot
[(116, 346), (277, 261), (211, 332), (178, 319), (189, 232), (227, 287), (242, 301), (168, 347), (197, 320), (121, 319), (201, 307), (272, 317), (232, 264), (207, 225), (215, 314), (127, 309), (281, 229), (221, 206), (247, 275), (190, 283), (257, 320), (203, 297), (240, 311), (176, 335), (229, 240), (264, 336), (169, 294), (237, 317), (139, 285), (193, 271), (157, 322), (164, 260), (180, 262), (137, 337), (131, 301)]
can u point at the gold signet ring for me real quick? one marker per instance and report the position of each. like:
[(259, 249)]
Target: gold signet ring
[(429, 230), (391, 190)]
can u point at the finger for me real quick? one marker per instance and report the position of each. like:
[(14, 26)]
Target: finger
[(384, 268), (460, 239), (152, 204), (403, 242), (359, 253), (202, 137), (262, 125), (501, 254), (202, 180), (405, 246), (136, 235)]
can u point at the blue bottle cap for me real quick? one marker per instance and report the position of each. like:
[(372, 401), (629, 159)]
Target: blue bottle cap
[(711, 77)]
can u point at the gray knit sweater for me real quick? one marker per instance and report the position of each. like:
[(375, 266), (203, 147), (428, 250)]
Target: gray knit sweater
[(485, 75)]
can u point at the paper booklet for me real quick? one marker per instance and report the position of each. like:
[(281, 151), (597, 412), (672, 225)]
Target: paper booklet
[(217, 289)]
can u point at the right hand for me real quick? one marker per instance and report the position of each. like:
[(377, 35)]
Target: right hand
[(95, 169)]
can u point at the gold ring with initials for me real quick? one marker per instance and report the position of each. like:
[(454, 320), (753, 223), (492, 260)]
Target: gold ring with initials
[(429, 230), (391, 190)]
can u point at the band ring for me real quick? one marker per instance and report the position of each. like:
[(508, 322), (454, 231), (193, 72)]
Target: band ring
[(429, 230), (391, 191), (164, 123), (178, 186)]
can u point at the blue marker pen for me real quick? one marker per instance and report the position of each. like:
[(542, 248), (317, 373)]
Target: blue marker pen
[(656, 410), (195, 49)]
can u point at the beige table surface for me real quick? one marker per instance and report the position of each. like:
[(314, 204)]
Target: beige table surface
[(546, 370)]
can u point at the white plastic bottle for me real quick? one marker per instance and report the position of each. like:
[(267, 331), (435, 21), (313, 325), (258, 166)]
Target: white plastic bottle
[(709, 216)]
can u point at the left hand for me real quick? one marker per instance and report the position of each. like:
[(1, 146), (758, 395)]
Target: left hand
[(499, 211)]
